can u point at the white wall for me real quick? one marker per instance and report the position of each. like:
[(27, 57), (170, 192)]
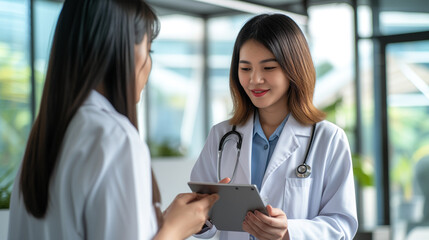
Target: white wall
[(4, 223)]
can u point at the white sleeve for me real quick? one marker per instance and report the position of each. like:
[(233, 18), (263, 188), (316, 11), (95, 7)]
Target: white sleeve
[(205, 167), (204, 170), (207, 234), (337, 218), (119, 205)]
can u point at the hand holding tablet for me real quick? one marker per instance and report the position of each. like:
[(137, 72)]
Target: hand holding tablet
[(235, 201)]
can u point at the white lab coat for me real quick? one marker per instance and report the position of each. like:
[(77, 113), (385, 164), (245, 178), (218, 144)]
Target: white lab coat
[(322, 206), (101, 186)]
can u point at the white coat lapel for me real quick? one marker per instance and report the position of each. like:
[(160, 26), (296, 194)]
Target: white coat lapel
[(246, 132), (286, 145)]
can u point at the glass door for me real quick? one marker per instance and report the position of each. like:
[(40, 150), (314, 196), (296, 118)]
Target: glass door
[(407, 70)]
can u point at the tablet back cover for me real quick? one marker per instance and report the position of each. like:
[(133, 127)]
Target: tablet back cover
[(235, 201)]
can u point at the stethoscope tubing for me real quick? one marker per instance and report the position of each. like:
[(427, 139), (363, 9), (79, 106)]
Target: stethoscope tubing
[(220, 150), (302, 171)]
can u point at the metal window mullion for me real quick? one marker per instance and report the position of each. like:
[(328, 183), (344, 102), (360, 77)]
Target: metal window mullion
[(381, 133), (32, 59), (205, 84)]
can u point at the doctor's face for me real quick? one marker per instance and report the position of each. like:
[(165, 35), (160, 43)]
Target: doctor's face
[(143, 63), (262, 77)]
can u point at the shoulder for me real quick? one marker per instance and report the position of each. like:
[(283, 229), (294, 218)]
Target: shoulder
[(328, 128), (97, 143), (323, 128), (220, 128), (100, 135), (104, 123), (330, 132)]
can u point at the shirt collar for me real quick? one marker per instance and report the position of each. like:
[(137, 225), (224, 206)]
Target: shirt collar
[(257, 128)]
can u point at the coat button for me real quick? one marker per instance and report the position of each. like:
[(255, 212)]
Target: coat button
[(266, 147)]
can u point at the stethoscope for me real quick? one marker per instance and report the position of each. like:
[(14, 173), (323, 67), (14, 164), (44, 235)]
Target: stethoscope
[(302, 171)]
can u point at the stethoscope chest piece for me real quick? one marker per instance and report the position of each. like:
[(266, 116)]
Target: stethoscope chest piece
[(303, 171)]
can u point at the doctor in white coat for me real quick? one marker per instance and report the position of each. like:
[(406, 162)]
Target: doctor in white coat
[(272, 81)]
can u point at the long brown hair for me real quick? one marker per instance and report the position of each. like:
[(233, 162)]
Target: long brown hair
[(93, 44), (282, 36)]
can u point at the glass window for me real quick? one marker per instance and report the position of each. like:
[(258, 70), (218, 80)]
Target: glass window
[(408, 111), (222, 34), (15, 83), (395, 22), (367, 196), (174, 91), (364, 21), (331, 41), (395, 17), (15, 111), (45, 19)]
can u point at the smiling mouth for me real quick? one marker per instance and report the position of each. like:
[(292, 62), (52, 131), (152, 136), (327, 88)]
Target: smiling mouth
[(259, 93)]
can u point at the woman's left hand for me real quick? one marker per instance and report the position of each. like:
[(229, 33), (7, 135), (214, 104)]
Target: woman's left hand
[(266, 227)]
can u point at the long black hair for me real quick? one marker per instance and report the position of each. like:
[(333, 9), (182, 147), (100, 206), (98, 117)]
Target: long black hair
[(93, 44)]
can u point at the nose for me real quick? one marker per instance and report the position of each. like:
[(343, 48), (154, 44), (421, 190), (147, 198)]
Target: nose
[(257, 77)]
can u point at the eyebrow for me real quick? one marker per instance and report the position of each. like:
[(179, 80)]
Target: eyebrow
[(262, 61)]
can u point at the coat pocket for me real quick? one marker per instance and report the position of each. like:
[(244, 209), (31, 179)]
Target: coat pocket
[(297, 197)]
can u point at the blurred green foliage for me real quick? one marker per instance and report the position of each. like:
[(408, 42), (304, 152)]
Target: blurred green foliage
[(6, 186), (363, 169), (15, 115), (323, 68), (408, 143), (409, 136), (164, 149)]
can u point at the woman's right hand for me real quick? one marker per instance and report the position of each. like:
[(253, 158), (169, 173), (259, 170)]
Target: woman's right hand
[(186, 215)]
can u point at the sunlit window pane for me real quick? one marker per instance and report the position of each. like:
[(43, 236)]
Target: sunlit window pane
[(174, 91), (331, 43), (408, 111), (45, 19), (15, 112), (392, 22), (222, 34)]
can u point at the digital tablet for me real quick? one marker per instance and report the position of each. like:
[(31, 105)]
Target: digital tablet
[(235, 200)]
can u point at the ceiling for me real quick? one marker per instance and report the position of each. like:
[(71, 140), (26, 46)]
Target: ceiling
[(210, 8)]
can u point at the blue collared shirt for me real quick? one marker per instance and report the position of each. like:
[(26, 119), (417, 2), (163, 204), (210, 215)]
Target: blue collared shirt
[(262, 149)]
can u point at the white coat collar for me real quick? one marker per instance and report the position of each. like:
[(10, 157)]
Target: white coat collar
[(246, 132), (98, 100), (287, 144)]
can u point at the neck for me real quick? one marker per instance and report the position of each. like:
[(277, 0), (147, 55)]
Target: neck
[(100, 89), (271, 120)]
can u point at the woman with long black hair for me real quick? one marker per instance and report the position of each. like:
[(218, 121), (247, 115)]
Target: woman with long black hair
[(86, 173)]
